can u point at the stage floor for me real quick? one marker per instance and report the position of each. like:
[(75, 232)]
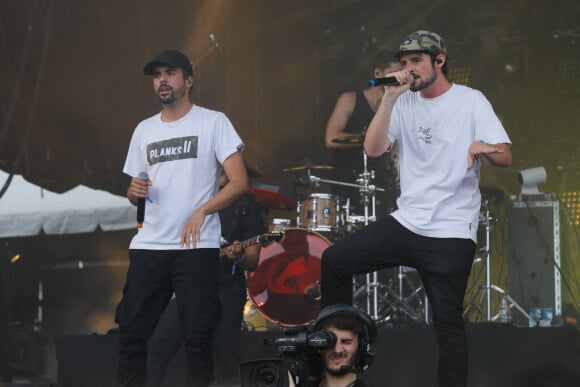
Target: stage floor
[(405, 357)]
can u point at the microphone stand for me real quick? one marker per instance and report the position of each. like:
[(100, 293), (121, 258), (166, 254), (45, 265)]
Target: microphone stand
[(206, 53), (485, 290)]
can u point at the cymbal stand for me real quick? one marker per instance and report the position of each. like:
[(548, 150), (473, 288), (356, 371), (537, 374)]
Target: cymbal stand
[(213, 47), (484, 291), (372, 279), (366, 189)]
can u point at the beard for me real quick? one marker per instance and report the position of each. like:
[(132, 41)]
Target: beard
[(421, 84), (168, 99), (173, 96), (342, 370)]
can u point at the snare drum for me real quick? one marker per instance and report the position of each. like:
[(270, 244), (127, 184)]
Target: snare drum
[(320, 212), (286, 285)]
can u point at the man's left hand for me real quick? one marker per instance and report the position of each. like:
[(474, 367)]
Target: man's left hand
[(480, 148)]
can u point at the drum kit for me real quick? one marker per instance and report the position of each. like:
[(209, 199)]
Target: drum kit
[(285, 288)]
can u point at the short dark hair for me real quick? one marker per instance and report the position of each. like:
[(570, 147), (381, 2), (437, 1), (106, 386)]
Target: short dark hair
[(384, 59), (434, 56)]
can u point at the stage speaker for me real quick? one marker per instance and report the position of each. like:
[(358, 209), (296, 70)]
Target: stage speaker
[(264, 373), (534, 254)]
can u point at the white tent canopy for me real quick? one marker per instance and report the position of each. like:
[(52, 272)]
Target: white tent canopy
[(26, 209)]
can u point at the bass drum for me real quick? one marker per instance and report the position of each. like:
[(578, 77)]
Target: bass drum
[(254, 321), (286, 285), (278, 224)]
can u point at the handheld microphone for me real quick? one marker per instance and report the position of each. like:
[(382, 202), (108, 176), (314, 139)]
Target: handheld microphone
[(387, 81), (141, 202)]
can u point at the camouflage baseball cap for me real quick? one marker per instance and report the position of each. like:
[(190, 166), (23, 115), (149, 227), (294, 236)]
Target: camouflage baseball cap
[(425, 41)]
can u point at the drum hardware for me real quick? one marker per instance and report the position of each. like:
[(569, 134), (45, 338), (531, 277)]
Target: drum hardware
[(363, 184), (484, 291), (400, 306), (393, 305), (366, 191), (354, 222), (371, 291)]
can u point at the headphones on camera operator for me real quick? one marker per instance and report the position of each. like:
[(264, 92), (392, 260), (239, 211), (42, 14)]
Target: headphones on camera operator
[(367, 337)]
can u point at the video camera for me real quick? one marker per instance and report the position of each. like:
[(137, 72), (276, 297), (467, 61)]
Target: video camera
[(297, 352)]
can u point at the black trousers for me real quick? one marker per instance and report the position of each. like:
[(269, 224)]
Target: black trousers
[(444, 265), (168, 337), (152, 278)]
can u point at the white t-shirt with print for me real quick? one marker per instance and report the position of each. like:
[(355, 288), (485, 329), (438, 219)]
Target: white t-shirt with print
[(183, 160), (439, 196)]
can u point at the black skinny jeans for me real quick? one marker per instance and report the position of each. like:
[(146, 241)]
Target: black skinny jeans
[(444, 265), (168, 337), (152, 278)]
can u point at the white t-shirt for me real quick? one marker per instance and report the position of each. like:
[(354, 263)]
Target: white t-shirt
[(183, 160), (439, 196)]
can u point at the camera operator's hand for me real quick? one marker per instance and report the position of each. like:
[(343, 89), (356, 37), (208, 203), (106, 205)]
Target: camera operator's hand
[(291, 380)]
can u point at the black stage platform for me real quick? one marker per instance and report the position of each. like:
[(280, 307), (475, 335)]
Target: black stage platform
[(405, 357)]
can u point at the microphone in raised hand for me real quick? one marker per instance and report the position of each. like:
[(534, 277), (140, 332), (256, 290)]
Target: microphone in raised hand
[(387, 81)]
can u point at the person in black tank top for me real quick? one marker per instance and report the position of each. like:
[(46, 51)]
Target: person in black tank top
[(351, 116)]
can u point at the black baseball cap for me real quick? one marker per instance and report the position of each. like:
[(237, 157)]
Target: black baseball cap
[(171, 58)]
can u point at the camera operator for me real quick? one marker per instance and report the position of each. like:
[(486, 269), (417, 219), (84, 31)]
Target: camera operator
[(341, 364)]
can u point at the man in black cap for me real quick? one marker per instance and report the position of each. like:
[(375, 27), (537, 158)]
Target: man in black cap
[(442, 131), (174, 160)]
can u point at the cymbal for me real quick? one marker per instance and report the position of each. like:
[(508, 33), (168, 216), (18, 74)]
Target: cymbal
[(356, 139), (306, 167), (273, 196)]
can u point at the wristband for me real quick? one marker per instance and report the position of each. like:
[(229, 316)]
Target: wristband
[(235, 264)]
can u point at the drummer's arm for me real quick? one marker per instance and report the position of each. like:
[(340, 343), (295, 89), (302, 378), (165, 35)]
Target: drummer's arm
[(339, 119)]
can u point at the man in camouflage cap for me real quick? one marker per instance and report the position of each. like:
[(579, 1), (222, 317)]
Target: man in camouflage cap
[(442, 131), (431, 44)]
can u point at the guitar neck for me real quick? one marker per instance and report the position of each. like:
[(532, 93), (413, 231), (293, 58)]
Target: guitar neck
[(251, 241), (243, 244)]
